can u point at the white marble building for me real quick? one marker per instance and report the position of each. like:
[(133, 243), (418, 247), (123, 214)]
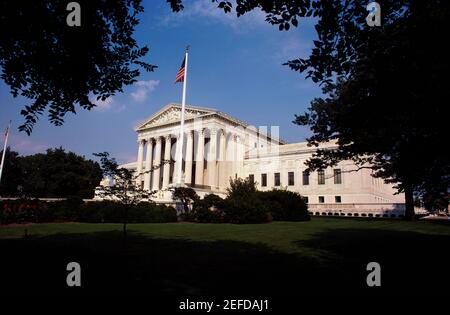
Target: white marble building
[(218, 147)]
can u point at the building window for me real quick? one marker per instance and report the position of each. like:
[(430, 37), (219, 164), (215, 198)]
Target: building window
[(291, 179), (338, 176), (337, 199), (305, 178), (264, 180), (321, 177), (321, 199), (277, 179), (251, 178), (306, 199)]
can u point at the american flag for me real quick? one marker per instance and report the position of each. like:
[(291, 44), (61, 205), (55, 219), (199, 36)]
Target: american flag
[(180, 74)]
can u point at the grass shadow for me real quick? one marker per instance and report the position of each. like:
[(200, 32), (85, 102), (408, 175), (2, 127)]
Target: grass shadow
[(412, 263), (147, 266)]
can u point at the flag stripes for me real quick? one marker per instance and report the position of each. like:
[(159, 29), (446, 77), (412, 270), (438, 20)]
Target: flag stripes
[(180, 74)]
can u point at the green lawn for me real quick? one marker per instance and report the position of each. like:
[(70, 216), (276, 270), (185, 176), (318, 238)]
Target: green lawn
[(323, 255)]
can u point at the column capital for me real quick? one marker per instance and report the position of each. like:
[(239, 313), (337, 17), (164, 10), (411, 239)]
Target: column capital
[(213, 131), (168, 137), (201, 131), (158, 139), (141, 141)]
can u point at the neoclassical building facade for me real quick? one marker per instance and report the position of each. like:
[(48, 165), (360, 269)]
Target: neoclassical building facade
[(218, 147)]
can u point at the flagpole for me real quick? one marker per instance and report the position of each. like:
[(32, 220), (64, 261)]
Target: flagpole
[(4, 149), (183, 105)]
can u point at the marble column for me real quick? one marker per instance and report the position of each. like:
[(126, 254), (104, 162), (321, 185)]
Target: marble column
[(239, 155), (166, 166), (234, 144), (199, 157), (188, 158), (178, 157), (222, 159), (212, 170), (139, 162), (157, 164), (148, 164)]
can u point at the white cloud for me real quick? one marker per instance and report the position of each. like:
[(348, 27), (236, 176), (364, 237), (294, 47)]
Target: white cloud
[(106, 105), (102, 106), (143, 90), (292, 47)]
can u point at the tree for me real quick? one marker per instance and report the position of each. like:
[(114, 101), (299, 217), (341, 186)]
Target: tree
[(186, 195), (241, 189), (59, 174), (243, 204), (54, 174), (11, 180), (387, 109), (58, 66), (384, 87), (124, 188)]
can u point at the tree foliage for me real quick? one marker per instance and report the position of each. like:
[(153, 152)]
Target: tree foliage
[(124, 188), (387, 109), (186, 195), (59, 67), (54, 174)]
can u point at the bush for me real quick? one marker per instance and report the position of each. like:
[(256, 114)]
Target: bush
[(285, 205), (74, 209), (241, 189), (114, 212), (207, 210), (148, 212), (63, 210), (104, 211), (246, 210), (18, 211), (242, 204)]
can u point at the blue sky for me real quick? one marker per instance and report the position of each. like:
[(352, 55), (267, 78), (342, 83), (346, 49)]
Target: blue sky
[(235, 65)]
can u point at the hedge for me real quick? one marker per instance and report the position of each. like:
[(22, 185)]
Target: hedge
[(75, 210)]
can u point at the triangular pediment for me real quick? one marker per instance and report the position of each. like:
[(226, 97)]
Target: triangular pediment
[(172, 113)]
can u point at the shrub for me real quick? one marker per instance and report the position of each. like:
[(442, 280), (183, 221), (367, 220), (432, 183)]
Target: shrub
[(285, 205), (148, 212), (243, 205), (207, 210), (114, 212), (74, 209), (18, 211), (246, 210), (63, 210), (241, 189)]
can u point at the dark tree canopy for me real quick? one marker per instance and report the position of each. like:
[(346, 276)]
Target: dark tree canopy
[(59, 67), (11, 175), (54, 174), (387, 109)]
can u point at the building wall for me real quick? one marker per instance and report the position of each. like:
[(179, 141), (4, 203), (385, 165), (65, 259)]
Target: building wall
[(355, 187)]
